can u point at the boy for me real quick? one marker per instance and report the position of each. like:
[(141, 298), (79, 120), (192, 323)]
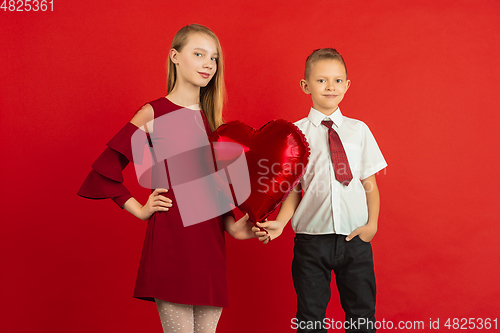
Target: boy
[(336, 218)]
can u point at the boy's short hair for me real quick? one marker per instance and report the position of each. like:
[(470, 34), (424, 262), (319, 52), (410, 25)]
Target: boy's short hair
[(327, 53)]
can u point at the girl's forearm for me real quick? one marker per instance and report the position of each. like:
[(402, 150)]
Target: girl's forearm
[(134, 207)]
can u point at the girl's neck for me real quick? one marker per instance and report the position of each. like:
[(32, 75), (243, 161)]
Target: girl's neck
[(186, 95)]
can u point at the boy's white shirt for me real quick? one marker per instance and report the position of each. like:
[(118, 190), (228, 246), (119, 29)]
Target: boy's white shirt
[(327, 206)]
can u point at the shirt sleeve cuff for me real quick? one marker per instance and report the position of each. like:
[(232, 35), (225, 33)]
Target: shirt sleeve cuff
[(373, 170)]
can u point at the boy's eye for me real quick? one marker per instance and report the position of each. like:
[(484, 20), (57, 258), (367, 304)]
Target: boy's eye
[(197, 54), (339, 80), (321, 81)]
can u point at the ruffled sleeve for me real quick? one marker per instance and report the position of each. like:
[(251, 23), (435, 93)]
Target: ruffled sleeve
[(105, 180)]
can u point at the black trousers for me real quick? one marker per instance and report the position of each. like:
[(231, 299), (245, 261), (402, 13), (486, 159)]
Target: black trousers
[(315, 256)]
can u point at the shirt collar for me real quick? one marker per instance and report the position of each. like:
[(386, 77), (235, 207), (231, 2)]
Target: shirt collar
[(316, 117)]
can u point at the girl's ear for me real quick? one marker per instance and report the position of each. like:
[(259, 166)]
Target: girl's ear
[(304, 86), (173, 56)]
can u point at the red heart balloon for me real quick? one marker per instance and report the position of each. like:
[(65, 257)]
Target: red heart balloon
[(276, 156)]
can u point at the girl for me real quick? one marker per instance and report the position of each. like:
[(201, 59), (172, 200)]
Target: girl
[(182, 268)]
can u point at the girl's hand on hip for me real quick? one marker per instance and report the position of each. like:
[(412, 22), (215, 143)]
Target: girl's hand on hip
[(156, 203)]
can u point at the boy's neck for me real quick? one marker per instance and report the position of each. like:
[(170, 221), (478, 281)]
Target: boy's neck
[(326, 112)]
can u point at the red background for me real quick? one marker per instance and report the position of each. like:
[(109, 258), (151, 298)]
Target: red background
[(424, 78)]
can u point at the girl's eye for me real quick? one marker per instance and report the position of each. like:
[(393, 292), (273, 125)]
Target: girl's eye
[(214, 59)]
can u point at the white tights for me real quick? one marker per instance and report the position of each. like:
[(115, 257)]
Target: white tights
[(183, 318)]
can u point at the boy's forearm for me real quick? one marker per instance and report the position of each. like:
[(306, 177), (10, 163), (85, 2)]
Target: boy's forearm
[(289, 206), (372, 199)]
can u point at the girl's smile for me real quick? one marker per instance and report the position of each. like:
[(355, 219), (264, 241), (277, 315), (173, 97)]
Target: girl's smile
[(204, 75)]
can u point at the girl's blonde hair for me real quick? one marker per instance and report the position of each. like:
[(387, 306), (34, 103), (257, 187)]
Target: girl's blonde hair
[(213, 95)]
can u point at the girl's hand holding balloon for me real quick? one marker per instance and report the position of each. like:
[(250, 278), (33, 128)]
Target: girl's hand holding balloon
[(240, 229)]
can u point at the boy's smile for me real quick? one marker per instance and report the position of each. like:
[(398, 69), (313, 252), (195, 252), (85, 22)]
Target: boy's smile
[(327, 85)]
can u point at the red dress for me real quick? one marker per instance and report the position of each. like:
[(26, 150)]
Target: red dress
[(179, 264)]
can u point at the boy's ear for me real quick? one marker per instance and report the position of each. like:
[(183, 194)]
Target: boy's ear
[(348, 84), (304, 86)]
